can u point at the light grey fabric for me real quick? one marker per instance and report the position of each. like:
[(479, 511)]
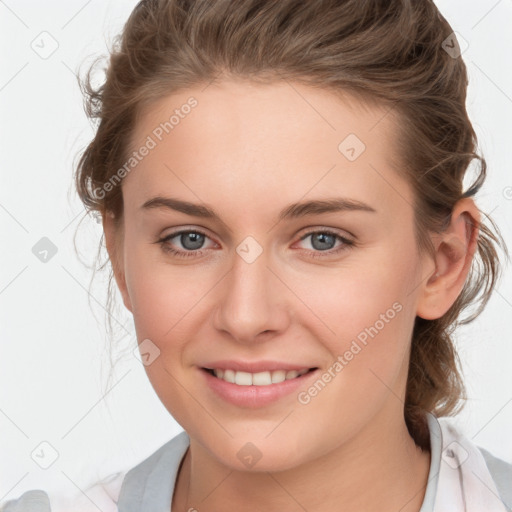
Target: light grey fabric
[(149, 486), (30, 501), (501, 472)]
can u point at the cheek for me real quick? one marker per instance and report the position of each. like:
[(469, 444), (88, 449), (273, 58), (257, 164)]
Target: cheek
[(361, 292), (372, 318), (162, 298), (370, 313), (166, 312), (169, 301)]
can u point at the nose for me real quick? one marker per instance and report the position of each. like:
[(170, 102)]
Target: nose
[(252, 303)]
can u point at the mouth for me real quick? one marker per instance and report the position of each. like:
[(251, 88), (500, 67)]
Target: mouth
[(264, 378), (254, 390)]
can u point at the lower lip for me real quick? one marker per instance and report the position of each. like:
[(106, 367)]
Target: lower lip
[(253, 397)]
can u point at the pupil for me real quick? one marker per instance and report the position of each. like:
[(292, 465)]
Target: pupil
[(192, 241), (320, 240)]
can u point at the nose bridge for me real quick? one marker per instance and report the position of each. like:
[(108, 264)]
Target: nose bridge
[(251, 301)]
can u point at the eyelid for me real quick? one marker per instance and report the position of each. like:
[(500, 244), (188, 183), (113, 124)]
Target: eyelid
[(342, 233)]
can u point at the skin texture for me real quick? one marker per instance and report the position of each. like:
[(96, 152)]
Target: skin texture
[(247, 151)]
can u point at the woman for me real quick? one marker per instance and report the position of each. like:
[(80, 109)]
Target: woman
[(281, 188)]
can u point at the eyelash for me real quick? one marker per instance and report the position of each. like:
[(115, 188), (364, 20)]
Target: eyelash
[(346, 245)]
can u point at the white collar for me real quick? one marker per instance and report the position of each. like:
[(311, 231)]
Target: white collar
[(464, 481)]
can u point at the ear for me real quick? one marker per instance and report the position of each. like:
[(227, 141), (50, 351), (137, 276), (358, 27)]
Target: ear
[(114, 235), (454, 250)]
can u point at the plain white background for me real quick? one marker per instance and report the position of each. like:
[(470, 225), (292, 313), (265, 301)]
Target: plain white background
[(53, 366)]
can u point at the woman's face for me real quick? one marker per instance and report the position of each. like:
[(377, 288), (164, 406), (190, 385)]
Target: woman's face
[(298, 252)]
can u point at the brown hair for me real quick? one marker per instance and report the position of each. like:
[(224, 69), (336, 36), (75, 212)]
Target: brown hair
[(390, 52)]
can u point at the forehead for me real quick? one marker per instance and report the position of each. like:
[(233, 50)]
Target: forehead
[(278, 113), (276, 140)]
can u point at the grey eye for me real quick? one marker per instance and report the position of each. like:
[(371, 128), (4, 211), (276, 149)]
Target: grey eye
[(192, 240), (322, 241)]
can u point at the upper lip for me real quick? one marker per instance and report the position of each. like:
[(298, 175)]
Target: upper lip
[(254, 366)]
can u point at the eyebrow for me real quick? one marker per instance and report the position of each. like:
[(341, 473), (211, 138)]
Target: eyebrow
[(292, 211)]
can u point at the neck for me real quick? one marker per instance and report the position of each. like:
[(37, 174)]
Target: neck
[(379, 469)]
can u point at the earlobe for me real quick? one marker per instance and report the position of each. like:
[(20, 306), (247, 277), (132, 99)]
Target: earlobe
[(113, 231), (454, 250)]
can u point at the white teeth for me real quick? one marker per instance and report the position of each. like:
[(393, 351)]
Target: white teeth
[(229, 376), (261, 379), (278, 376), (258, 379), (243, 379)]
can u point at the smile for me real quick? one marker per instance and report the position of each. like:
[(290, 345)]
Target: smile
[(265, 378)]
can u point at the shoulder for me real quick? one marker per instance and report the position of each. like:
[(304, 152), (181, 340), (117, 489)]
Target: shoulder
[(501, 472), (108, 494), (35, 501), (102, 495)]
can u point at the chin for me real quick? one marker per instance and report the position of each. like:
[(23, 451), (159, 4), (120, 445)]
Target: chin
[(256, 456)]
